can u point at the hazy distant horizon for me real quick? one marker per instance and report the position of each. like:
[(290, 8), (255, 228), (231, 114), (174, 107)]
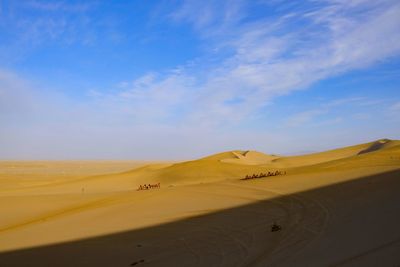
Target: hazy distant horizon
[(189, 157), (149, 80)]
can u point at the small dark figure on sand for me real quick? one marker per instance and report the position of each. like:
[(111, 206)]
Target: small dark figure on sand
[(275, 227)]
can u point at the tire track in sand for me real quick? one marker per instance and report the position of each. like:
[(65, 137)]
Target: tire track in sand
[(293, 238)]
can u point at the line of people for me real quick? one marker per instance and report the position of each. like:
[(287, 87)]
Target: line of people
[(149, 186), (262, 175)]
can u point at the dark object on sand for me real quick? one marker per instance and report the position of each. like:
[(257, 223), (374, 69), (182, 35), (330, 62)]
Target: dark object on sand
[(137, 262), (276, 227)]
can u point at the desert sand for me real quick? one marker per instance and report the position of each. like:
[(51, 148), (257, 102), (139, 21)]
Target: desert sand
[(335, 208)]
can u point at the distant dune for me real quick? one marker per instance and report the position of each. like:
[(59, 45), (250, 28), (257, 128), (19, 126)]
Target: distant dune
[(338, 207)]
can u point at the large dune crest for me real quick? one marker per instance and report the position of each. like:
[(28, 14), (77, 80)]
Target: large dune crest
[(231, 165), (91, 213), (235, 164)]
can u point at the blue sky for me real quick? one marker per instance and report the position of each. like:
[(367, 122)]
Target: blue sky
[(183, 79)]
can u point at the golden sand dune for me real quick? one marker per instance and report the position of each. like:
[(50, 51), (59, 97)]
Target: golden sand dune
[(242, 157), (335, 154), (34, 173), (334, 208), (250, 158)]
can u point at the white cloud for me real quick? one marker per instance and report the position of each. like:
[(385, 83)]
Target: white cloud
[(323, 113), (33, 23), (208, 14), (56, 6), (267, 59), (262, 59), (257, 61)]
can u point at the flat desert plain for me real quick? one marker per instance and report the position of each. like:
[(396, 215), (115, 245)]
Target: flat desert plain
[(335, 208)]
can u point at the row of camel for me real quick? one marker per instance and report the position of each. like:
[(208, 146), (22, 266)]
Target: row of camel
[(149, 186), (262, 175), (247, 177)]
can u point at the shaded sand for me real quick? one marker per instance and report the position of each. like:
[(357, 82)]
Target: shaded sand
[(336, 208)]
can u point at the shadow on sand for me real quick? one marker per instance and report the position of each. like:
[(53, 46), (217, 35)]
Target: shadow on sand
[(346, 223)]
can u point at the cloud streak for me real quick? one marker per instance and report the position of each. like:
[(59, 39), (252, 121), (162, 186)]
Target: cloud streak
[(262, 59), (248, 63)]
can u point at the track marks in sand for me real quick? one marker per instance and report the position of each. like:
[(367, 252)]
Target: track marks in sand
[(359, 258), (306, 230), (227, 238), (243, 237), (306, 221)]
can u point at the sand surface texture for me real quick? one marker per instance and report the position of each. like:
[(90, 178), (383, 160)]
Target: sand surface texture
[(335, 208)]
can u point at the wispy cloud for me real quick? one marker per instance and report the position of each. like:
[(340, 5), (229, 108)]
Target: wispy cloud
[(32, 23), (326, 112), (267, 57), (212, 15), (247, 62), (56, 6)]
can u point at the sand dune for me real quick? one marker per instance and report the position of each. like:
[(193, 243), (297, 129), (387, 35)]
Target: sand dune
[(335, 207), (250, 158)]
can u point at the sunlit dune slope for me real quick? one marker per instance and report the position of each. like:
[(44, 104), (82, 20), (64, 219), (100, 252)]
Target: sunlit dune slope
[(237, 164), (336, 154), (242, 157), (39, 173), (203, 212), (226, 165), (387, 156)]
